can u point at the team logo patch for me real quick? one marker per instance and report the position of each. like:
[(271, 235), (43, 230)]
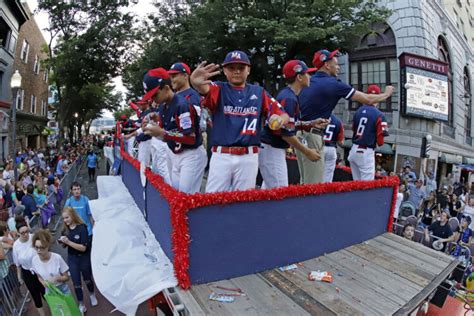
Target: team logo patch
[(253, 97), (322, 57), (172, 66), (235, 55), (185, 121), (297, 68), (76, 237)]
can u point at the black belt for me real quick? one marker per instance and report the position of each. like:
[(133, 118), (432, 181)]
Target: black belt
[(317, 131)]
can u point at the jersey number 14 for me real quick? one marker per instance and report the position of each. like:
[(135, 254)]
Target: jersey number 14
[(250, 127)]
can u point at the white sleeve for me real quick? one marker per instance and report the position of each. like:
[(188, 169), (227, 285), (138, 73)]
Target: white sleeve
[(63, 267), (15, 257)]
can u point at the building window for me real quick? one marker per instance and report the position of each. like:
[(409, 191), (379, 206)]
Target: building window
[(374, 61), (468, 101), (443, 55), (12, 45), (1, 82), (25, 49), (36, 66), (44, 108), (20, 97), (46, 74), (5, 33), (33, 104)]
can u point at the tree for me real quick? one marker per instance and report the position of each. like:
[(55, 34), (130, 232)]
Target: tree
[(92, 44), (271, 31)]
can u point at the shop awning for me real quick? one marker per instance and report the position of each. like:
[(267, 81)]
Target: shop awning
[(384, 149), (468, 160), (450, 158), (468, 167)]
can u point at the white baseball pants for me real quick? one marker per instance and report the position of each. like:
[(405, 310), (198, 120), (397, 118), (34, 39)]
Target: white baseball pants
[(144, 153), (160, 159), (272, 164), (130, 142), (232, 172), (187, 169), (330, 157), (362, 162)]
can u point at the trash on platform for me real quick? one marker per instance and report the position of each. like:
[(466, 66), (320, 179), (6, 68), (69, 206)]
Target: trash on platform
[(221, 298), (288, 268), (322, 276)]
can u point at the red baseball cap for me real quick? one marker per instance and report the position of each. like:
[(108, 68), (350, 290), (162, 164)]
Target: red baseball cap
[(296, 67), (152, 81), (123, 117), (322, 56), (373, 89), (179, 68)]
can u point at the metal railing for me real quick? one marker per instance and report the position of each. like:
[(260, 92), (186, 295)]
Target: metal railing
[(12, 300)]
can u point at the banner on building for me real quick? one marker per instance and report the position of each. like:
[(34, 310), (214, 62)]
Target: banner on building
[(424, 87)]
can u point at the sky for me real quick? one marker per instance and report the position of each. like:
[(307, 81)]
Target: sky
[(142, 8)]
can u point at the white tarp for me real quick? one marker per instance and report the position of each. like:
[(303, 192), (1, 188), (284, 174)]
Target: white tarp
[(128, 263)]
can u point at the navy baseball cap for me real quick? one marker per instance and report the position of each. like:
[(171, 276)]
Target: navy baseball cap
[(322, 56), (236, 57), (179, 68), (296, 67), (152, 81)]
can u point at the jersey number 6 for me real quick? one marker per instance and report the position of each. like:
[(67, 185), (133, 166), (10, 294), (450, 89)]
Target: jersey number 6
[(361, 127)]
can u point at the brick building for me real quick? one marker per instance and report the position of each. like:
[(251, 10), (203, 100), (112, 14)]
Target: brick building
[(428, 30), (12, 15), (32, 99)]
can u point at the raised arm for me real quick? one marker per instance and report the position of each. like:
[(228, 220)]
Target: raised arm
[(200, 77)]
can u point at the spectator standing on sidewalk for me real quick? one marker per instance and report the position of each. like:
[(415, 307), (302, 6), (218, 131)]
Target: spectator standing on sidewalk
[(76, 238), (29, 202), (91, 164), (23, 254), (80, 203), (49, 266)]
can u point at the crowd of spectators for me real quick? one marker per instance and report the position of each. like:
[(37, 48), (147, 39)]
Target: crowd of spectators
[(442, 213)]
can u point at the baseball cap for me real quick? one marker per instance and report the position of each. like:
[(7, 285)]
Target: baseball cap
[(152, 82), (295, 67), (467, 218), (236, 57), (123, 117), (373, 89), (322, 56), (179, 68)]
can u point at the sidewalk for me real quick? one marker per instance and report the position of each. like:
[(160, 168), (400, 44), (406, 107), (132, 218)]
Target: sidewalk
[(104, 307)]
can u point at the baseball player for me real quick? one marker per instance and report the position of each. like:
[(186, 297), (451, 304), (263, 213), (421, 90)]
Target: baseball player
[(272, 156), (144, 141), (318, 101), (237, 109), (369, 128), (179, 127), (333, 135)]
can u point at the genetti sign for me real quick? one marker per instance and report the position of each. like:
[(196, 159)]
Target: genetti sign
[(424, 83)]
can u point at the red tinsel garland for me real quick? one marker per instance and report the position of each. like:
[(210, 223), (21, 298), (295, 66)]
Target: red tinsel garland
[(180, 203)]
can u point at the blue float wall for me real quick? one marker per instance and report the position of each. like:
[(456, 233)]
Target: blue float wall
[(159, 219), (244, 238), (131, 179)]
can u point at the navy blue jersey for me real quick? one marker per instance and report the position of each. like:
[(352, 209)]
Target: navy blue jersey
[(321, 97), (181, 123), (142, 137), (334, 132), (289, 101), (193, 97), (368, 127), (237, 113)]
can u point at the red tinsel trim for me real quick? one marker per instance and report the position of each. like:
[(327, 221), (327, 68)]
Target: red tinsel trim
[(344, 168), (180, 203)]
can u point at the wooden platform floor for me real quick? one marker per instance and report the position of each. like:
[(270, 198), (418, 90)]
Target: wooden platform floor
[(383, 276)]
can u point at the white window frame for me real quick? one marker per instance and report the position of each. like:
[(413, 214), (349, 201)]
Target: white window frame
[(36, 66), (25, 50), (46, 74), (33, 104), (44, 107), (20, 98)]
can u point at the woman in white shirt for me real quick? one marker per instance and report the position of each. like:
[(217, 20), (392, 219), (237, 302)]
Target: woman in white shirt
[(23, 254), (49, 266)]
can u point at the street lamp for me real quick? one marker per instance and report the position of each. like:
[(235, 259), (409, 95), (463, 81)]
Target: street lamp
[(76, 128), (15, 84)]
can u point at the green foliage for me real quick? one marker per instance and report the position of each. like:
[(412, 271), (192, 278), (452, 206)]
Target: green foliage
[(126, 111), (272, 31), (92, 46)]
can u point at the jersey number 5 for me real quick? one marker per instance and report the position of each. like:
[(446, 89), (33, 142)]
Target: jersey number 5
[(250, 128), (361, 127), (329, 132)]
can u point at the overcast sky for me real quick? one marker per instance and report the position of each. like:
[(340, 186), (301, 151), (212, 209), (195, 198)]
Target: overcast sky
[(142, 8)]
